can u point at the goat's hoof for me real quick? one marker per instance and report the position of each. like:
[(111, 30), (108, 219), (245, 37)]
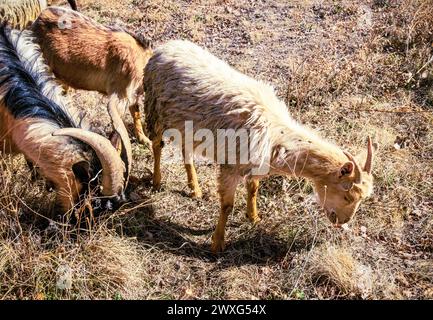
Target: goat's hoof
[(196, 194), (255, 221), (156, 188), (142, 139), (217, 246)]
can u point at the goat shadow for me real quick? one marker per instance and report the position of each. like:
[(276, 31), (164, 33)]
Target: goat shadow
[(256, 246)]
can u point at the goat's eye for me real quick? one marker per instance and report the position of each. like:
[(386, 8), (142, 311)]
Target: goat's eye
[(347, 198)]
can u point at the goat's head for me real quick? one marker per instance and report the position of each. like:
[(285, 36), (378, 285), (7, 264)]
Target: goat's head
[(341, 192), (114, 173)]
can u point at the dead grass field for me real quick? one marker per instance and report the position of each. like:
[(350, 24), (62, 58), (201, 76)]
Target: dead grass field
[(347, 69)]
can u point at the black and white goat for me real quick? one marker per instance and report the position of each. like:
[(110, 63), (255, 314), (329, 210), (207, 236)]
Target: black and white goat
[(35, 121)]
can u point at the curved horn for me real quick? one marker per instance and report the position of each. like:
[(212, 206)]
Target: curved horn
[(119, 127), (369, 162), (358, 177), (112, 166), (73, 5)]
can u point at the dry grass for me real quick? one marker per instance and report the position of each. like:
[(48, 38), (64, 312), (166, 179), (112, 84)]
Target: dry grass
[(348, 69)]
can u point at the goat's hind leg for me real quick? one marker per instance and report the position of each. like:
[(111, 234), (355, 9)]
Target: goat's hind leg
[(192, 175), (193, 181), (157, 151), (138, 126), (227, 183)]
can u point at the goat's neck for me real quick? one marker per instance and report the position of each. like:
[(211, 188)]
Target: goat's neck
[(306, 156)]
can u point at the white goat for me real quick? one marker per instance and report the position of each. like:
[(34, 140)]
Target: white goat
[(184, 82)]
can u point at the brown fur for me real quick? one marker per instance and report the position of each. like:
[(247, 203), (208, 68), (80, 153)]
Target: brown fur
[(90, 56), (33, 109), (32, 137)]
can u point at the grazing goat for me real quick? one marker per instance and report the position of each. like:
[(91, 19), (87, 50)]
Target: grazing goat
[(184, 82), (86, 55), (35, 121), (19, 14)]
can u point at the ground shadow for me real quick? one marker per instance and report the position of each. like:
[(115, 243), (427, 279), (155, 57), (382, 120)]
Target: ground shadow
[(257, 246)]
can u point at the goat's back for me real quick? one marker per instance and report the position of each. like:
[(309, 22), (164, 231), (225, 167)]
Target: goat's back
[(184, 82), (87, 55)]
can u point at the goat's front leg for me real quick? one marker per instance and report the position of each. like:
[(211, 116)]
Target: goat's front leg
[(138, 126), (157, 150), (252, 188), (192, 175), (227, 183)]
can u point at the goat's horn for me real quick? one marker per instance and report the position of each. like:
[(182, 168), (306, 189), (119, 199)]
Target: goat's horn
[(369, 161), (358, 177), (73, 5), (119, 127), (112, 166)]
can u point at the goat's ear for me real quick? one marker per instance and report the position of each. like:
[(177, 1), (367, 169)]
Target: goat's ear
[(81, 171), (346, 169)]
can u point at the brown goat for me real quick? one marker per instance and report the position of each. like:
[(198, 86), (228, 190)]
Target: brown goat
[(86, 55)]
